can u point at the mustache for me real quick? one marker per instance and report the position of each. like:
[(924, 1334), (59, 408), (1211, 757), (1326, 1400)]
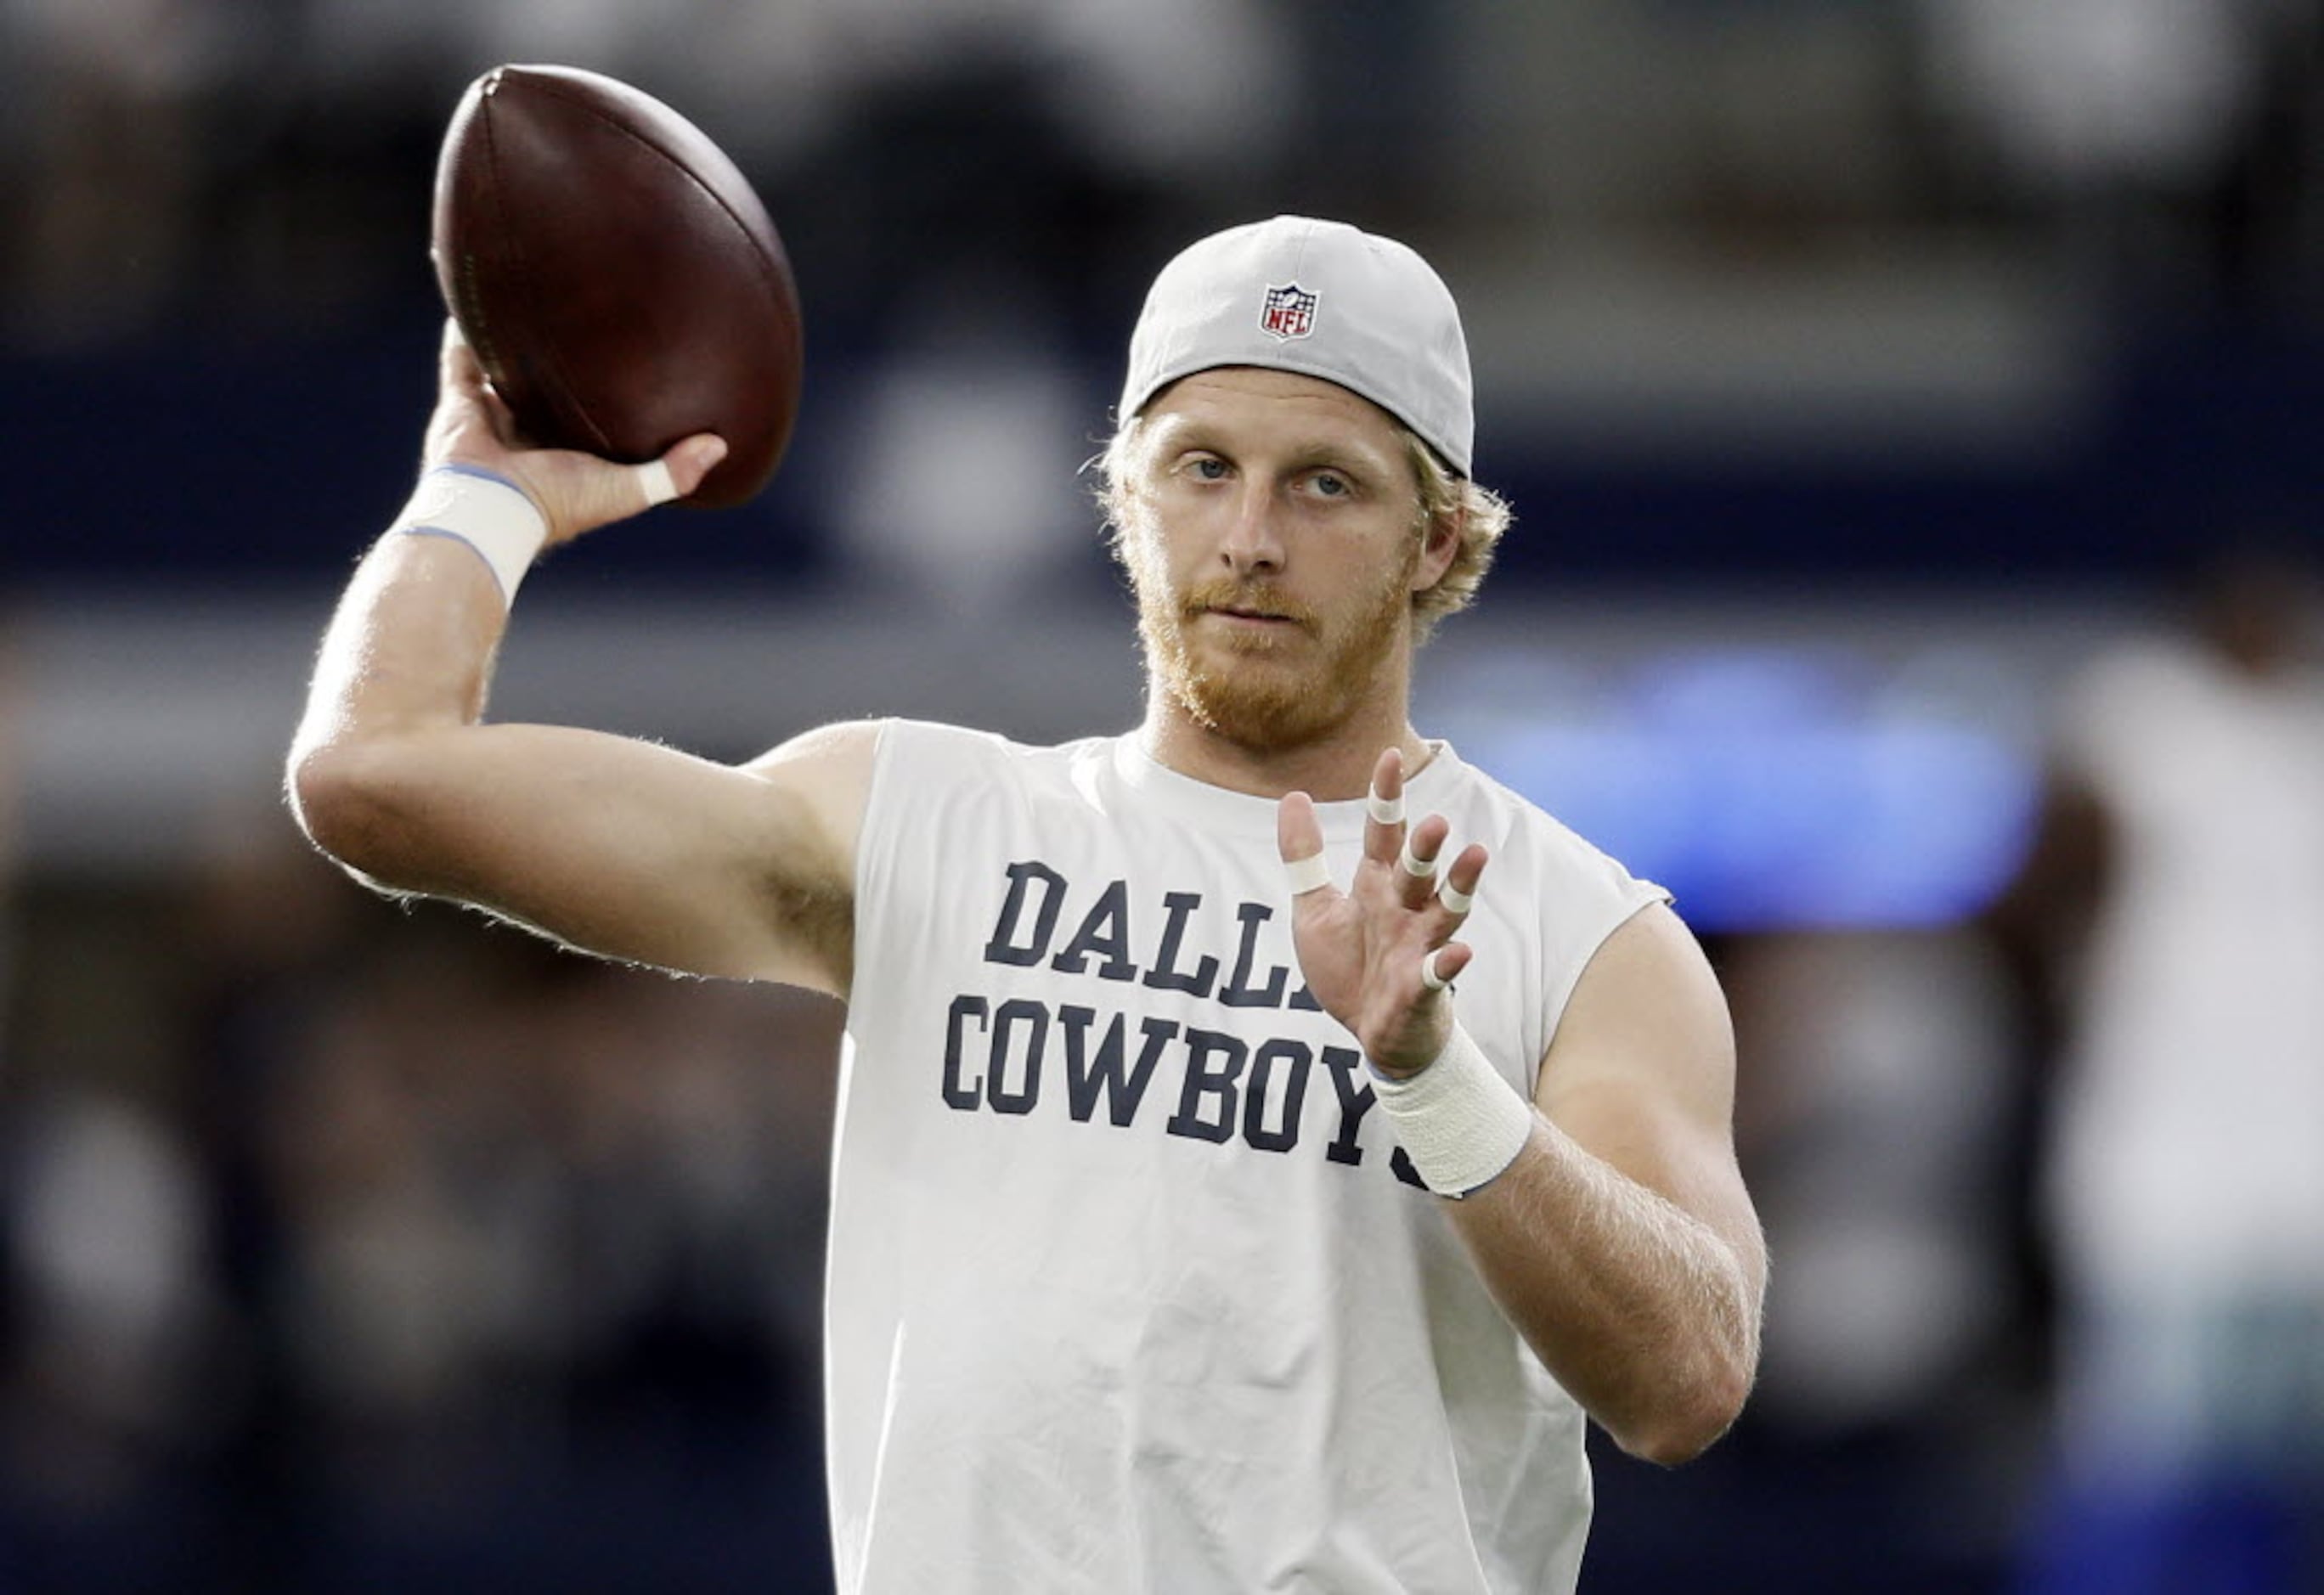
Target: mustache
[(1251, 597)]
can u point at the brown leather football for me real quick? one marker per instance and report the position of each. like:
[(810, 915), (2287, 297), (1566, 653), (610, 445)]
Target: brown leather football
[(616, 275)]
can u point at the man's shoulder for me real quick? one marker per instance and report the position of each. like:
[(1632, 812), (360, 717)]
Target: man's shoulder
[(936, 739), (922, 760)]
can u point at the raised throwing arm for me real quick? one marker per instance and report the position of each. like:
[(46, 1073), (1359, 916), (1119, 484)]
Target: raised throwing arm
[(622, 847)]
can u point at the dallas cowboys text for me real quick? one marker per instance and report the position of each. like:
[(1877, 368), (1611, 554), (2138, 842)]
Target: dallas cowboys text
[(1008, 1055)]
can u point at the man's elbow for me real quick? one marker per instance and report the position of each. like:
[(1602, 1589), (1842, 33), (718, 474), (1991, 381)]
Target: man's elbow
[(1689, 1420), (344, 796)]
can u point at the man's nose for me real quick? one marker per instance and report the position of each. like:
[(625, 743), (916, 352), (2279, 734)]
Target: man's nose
[(1251, 542)]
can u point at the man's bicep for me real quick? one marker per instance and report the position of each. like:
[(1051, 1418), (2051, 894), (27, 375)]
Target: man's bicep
[(1641, 1072)]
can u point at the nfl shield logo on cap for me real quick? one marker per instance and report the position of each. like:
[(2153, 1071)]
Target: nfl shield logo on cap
[(1288, 312)]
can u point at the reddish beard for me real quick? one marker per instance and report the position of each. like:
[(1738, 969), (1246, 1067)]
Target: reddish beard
[(1267, 689)]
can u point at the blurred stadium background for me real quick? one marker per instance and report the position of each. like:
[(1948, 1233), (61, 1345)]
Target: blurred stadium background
[(1860, 370)]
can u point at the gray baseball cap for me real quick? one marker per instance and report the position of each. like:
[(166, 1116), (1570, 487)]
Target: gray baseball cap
[(1321, 299)]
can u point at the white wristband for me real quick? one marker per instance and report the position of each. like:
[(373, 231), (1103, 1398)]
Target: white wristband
[(1459, 1122), (491, 514)]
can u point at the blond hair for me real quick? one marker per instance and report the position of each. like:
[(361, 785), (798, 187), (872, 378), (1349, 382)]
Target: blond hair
[(1446, 498)]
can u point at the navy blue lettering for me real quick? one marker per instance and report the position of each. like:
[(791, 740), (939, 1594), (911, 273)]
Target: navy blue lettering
[(1305, 1000), (995, 1055), (1215, 1083), (1284, 1134), (1239, 992), (1087, 1079), (958, 1093), (1165, 975), (1034, 1019), (1105, 931), (1356, 1099), (1004, 947)]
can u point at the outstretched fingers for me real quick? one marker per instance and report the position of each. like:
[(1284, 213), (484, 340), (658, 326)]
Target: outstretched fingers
[(1415, 865), (1410, 856), (1408, 851), (1415, 850), (1441, 966), (1384, 806), (1299, 842), (1378, 950), (1452, 899), (1420, 880), (1457, 893)]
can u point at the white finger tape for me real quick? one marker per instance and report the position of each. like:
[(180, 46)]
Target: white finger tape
[(490, 513), (1457, 1120), (1308, 873), (1386, 811), (654, 479), (1454, 900), (1422, 869), (1429, 978)]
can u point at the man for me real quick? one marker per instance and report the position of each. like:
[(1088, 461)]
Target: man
[(2175, 904), (1137, 1281)]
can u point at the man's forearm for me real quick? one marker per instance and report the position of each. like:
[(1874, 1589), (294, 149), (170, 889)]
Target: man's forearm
[(408, 650), (1648, 1315)]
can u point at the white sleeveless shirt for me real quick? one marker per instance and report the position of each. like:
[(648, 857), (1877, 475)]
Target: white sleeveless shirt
[(1129, 1289)]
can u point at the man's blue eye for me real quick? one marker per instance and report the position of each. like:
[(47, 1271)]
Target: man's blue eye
[(1209, 470)]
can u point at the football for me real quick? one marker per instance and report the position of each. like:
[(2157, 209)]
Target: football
[(617, 276)]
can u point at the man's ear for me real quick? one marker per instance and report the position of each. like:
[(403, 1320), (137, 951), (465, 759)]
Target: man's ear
[(1440, 547)]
